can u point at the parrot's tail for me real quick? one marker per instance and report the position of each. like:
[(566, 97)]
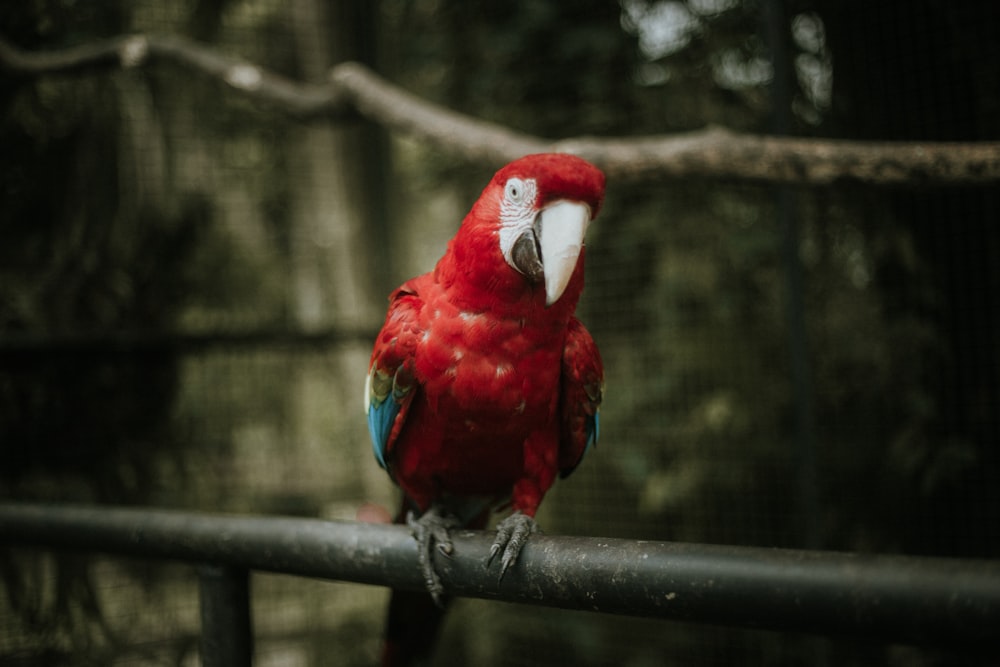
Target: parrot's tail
[(412, 627), (414, 620), (412, 623)]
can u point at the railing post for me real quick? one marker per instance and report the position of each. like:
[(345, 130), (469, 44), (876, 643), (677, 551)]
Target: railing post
[(226, 635)]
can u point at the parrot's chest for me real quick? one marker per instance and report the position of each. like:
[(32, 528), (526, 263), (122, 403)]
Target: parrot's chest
[(490, 377)]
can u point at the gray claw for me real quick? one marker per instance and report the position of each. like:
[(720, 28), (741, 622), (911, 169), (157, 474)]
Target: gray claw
[(512, 534), (431, 530)]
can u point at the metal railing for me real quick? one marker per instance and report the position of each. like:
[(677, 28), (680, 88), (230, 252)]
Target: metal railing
[(949, 603)]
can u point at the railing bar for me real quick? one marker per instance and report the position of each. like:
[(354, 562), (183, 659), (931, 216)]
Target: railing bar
[(930, 601)]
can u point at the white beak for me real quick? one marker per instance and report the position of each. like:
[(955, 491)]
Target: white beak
[(561, 228)]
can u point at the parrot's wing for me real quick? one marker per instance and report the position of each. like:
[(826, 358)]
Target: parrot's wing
[(580, 399), (390, 385)]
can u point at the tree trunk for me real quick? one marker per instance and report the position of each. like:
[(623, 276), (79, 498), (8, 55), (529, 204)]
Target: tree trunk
[(334, 263)]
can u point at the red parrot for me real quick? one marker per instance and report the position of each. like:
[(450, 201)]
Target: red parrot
[(483, 385)]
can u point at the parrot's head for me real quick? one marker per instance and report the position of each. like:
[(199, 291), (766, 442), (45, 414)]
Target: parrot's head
[(531, 220)]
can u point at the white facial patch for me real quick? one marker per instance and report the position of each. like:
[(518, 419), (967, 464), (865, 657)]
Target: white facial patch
[(517, 213)]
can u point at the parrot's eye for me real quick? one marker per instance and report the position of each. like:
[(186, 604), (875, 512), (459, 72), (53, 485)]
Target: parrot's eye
[(515, 190)]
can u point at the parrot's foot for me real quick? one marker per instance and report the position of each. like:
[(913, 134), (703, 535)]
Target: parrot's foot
[(432, 530), (512, 534)]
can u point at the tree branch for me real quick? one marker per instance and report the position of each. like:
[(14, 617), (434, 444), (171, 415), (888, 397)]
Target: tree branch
[(708, 153), (300, 100)]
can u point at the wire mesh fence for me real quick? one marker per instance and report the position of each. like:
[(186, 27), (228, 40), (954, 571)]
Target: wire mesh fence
[(153, 205)]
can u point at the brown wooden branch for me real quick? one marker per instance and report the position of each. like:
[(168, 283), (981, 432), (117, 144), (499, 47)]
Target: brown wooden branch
[(471, 138), (300, 100), (708, 153)]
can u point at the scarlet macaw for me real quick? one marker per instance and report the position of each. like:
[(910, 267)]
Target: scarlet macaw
[(482, 383)]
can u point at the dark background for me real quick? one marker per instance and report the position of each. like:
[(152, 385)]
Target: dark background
[(184, 274)]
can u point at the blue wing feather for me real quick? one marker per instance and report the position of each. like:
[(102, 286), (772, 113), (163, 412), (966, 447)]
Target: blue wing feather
[(593, 432), (390, 381), (381, 416)]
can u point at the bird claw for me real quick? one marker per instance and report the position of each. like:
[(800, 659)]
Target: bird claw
[(512, 534), (432, 530)]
